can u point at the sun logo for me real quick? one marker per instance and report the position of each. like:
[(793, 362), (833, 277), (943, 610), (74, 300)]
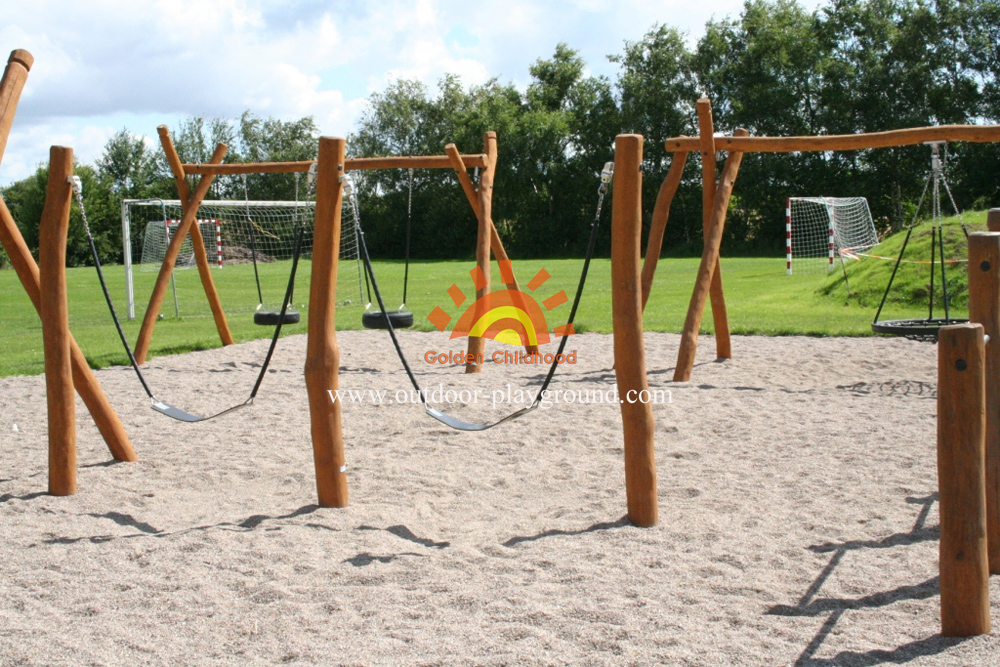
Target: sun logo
[(507, 316)]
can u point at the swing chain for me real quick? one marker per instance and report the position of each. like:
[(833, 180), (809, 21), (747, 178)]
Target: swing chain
[(606, 176), (77, 186), (311, 179)]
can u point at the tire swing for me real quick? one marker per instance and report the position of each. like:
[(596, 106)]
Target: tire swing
[(261, 316), (400, 318), (925, 329)]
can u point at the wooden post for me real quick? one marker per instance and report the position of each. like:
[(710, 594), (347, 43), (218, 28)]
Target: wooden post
[(27, 271), (477, 345), (496, 244), (709, 260), (661, 212), (630, 356), (993, 220), (197, 242), (14, 77), (174, 249), (961, 408), (984, 309), (706, 132), (52, 231), (322, 353)]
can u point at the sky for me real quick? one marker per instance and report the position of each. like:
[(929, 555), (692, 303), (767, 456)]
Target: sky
[(106, 65)]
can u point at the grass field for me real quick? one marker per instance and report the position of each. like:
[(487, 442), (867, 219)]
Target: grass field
[(760, 298)]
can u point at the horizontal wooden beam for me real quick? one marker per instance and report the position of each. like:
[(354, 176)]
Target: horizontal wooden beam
[(353, 164), (844, 142)]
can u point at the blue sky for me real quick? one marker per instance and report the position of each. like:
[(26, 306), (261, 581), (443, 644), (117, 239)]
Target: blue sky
[(104, 65)]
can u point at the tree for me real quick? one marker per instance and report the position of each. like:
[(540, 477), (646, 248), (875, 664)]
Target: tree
[(128, 164), (26, 200), (657, 93)]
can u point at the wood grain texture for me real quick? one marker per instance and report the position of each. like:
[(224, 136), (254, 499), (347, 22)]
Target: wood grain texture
[(322, 352), (84, 380), (961, 404), (845, 142), (477, 345), (706, 137), (197, 241), (984, 309), (658, 225), (709, 259), (629, 349), (353, 164), (11, 85), (60, 397), (170, 258), (496, 244)]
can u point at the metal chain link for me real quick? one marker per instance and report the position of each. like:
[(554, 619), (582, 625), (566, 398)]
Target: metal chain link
[(606, 175), (77, 185)]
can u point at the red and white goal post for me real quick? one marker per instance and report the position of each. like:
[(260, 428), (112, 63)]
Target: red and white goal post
[(818, 230)]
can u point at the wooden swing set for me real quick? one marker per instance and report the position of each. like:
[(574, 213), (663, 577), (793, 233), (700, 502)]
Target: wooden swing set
[(480, 199), (66, 368), (968, 369), (323, 353), (717, 193)]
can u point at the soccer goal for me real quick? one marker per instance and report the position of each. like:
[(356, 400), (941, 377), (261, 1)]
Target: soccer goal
[(236, 233), (820, 230)]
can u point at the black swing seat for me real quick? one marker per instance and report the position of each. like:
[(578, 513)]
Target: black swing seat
[(376, 319), (270, 318)]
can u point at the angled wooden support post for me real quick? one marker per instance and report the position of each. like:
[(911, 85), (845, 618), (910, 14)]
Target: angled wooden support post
[(322, 353), (630, 357), (961, 432), (197, 241), (170, 258), (27, 271), (984, 309), (496, 244), (709, 263), (706, 135), (14, 76), (83, 378), (481, 275), (60, 397), (661, 213)]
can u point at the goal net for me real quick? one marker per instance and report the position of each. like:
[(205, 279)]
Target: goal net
[(821, 231), (234, 232)]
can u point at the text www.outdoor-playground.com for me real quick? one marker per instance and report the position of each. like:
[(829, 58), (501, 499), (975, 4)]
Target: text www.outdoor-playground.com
[(497, 397)]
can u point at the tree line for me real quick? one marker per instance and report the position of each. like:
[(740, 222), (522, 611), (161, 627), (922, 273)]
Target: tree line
[(776, 69)]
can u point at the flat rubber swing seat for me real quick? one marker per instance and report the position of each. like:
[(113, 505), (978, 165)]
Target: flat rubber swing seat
[(271, 318), (375, 319)]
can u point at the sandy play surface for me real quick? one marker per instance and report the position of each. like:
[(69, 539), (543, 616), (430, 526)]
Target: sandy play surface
[(798, 522)]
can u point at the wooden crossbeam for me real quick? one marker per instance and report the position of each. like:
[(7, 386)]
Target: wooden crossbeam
[(353, 164), (844, 142)]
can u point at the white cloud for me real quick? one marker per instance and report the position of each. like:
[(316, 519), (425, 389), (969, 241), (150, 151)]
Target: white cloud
[(105, 63)]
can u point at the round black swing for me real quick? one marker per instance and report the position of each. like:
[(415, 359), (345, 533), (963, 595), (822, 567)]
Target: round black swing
[(375, 319), (262, 317), (925, 329), (272, 318), (398, 319)]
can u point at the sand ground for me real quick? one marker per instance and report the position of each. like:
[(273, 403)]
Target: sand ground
[(798, 522)]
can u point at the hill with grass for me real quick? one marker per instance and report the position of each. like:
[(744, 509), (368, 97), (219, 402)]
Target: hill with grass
[(867, 276)]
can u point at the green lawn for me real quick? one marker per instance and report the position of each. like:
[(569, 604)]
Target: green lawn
[(761, 299)]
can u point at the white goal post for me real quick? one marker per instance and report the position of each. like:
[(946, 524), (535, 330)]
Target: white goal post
[(818, 230), (235, 232)]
